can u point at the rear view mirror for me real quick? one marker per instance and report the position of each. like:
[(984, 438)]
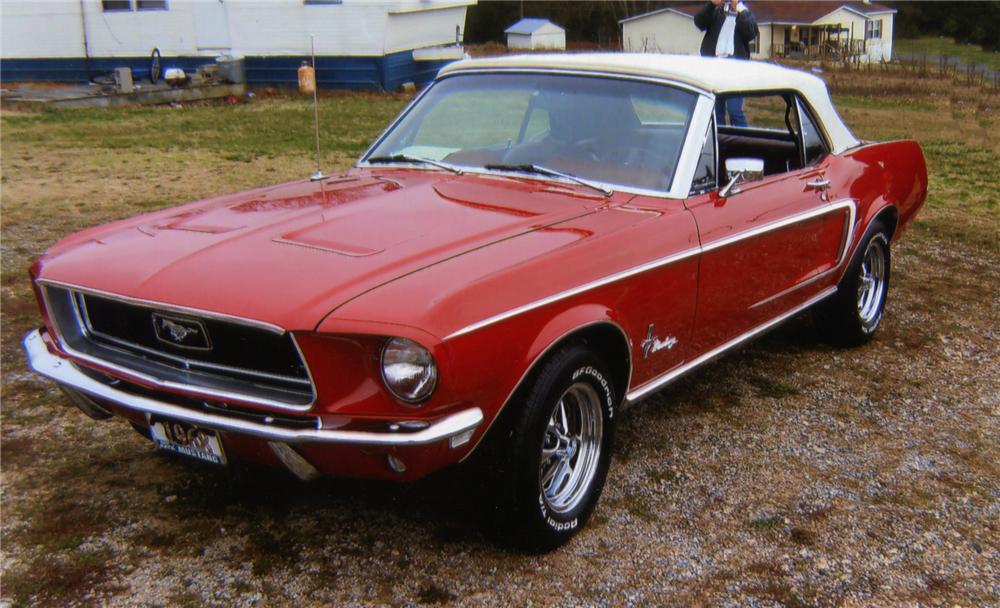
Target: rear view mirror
[(740, 171)]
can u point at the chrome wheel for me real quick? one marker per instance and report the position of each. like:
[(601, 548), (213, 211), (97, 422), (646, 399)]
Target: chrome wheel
[(571, 448), (872, 282)]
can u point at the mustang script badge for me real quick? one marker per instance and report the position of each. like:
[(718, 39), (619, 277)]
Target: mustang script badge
[(652, 344), (180, 331)]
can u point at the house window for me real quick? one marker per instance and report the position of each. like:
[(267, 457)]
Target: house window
[(151, 5), (117, 5), (873, 29)]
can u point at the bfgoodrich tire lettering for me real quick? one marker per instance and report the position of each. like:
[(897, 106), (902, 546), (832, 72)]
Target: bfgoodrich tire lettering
[(560, 448)]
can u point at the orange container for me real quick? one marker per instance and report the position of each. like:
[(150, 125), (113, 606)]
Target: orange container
[(307, 78)]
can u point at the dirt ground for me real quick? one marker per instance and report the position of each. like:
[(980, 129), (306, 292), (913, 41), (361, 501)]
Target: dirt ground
[(790, 473)]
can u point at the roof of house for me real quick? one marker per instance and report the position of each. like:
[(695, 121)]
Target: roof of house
[(530, 25), (769, 11), (709, 74)]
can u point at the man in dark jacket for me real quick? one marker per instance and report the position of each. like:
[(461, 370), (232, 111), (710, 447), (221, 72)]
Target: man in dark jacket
[(729, 28)]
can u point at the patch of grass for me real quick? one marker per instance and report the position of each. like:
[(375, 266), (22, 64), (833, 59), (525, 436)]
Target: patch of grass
[(640, 508), (767, 523), (802, 536), (894, 498), (63, 523), (55, 580), (771, 387), (269, 551), (17, 451), (186, 599), (942, 46), (663, 475), (154, 539), (349, 122)]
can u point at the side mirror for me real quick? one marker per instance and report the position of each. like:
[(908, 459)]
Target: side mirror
[(740, 171)]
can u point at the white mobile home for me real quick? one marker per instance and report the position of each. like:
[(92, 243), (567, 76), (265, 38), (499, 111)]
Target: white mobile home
[(359, 43), (817, 29)]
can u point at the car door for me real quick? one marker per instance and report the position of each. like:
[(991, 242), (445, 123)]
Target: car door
[(764, 248)]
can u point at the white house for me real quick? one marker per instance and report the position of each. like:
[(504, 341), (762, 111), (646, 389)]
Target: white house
[(536, 34), (359, 43), (817, 29)]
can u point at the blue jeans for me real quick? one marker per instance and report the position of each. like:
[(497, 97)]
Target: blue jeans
[(734, 106)]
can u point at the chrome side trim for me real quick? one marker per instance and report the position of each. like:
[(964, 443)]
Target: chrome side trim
[(664, 379), (63, 372), (199, 390), (855, 246), (845, 240), (748, 234), (792, 219), (562, 295), (796, 287), (692, 146), (171, 307)]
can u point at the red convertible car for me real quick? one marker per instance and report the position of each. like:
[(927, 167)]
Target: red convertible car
[(532, 244)]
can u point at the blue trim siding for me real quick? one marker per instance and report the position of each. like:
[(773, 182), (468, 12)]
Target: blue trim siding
[(371, 73), (74, 69), (400, 67), (331, 72)]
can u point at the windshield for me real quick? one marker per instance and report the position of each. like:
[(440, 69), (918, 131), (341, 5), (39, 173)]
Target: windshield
[(618, 132)]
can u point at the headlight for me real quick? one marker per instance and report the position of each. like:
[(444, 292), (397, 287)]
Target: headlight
[(408, 370)]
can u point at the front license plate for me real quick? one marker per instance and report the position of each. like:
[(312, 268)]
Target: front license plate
[(188, 440)]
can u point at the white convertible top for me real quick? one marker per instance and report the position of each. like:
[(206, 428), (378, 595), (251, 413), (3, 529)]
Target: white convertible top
[(709, 74)]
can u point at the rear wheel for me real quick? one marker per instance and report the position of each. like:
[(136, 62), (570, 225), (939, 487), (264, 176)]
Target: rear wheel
[(853, 315), (560, 448)]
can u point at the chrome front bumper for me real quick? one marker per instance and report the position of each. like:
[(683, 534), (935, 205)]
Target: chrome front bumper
[(457, 428)]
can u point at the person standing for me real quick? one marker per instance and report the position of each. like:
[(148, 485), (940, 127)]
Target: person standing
[(729, 28)]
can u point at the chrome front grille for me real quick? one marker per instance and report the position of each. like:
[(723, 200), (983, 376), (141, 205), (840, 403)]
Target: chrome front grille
[(221, 357)]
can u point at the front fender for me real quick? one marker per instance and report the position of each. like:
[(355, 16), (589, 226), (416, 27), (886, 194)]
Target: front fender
[(518, 346)]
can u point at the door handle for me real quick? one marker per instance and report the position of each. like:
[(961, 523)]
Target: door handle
[(820, 183)]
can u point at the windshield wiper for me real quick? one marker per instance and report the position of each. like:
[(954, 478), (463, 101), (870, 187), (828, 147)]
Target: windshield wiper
[(406, 158), (540, 170)]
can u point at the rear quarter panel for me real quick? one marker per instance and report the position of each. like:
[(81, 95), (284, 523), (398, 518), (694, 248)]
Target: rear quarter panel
[(881, 175)]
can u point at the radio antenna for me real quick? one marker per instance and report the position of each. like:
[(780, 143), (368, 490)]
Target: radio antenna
[(319, 172)]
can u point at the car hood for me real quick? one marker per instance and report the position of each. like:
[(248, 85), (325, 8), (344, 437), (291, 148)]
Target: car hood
[(290, 254)]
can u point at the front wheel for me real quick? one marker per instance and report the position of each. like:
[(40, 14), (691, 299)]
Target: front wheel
[(852, 316), (560, 448)]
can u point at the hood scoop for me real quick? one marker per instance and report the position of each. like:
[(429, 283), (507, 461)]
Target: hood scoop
[(289, 202)]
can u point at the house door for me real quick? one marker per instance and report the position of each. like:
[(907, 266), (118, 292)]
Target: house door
[(211, 25)]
